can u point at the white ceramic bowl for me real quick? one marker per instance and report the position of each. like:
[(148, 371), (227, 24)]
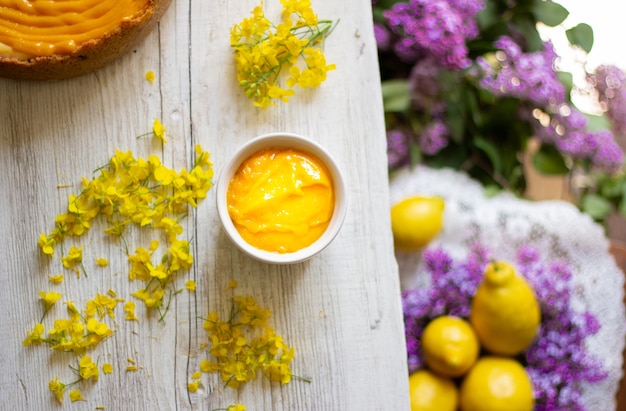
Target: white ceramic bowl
[(292, 141)]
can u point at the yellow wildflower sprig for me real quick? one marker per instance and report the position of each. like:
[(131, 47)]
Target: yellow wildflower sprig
[(86, 369), (49, 299), (244, 346), (133, 191), (136, 191), (263, 51), (78, 332)]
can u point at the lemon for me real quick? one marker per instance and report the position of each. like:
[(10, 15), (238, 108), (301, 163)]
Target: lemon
[(504, 311), (450, 346), (416, 221), (496, 384), (431, 392)]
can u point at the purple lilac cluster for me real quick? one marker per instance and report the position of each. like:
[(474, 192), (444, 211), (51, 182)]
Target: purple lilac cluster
[(398, 143), (610, 83), (453, 285), (425, 96), (532, 77), (436, 28), (567, 131), (557, 362), (527, 76)]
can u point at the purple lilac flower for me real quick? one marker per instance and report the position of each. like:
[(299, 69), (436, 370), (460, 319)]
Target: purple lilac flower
[(434, 137), (383, 36), (608, 155), (437, 28), (567, 131), (610, 83), (398, 142), (528, 76), (425, 87), (557, 361)]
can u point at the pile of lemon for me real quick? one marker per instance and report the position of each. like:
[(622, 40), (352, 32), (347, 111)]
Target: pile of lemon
[(503, 322), (472, 364)]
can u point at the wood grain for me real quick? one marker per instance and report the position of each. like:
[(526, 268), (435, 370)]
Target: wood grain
[(341, 310)]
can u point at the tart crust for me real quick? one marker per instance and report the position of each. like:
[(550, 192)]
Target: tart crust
[(90, 56)]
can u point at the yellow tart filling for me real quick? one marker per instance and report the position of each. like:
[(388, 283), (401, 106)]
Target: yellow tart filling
[(31, 28)]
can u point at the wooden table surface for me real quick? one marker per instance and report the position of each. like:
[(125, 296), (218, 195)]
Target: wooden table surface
[(341, 310)]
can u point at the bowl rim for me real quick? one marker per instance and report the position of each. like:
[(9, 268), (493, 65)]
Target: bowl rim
[(282, 139)]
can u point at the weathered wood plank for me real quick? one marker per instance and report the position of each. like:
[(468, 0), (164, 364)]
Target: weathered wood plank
[(340, 310)]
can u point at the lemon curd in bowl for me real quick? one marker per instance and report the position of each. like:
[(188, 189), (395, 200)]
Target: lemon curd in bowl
[(56, 39), (281, 198)]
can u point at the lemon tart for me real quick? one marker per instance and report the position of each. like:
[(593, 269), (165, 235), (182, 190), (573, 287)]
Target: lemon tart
[(58, 39)]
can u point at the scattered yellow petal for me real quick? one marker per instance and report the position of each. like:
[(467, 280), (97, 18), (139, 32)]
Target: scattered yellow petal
[(107, 368), (150, 76), (130, 360), (193, 386), (75, 395), (159, 130), (102, 262), (131, 368), (232, 284), (196, 375), (56, 279), (129, 309), (190, 285)]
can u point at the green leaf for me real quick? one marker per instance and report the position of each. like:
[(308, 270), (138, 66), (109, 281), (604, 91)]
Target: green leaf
[(567, 79), (550, 13), (596, 206), (491, 150), (488, 16), (415, 154), (597, 123), (548, 160), (527, 25), (492, 190), (581, 35), (396, 95), (387, 4)]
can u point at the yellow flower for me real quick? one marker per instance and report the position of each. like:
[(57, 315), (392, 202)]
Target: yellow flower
[(181, 258), (129, 309), (150, 76), (152, 299), (236, 407), (238, 356), (46, 244), (190, 285), (159, 130), (88, 369), (100, 306), (102, 262), (34, 336), (74, 257), (75, 395), (263, 50), (107, 368), (57, 388), (96, 328), (49, 298), (193, 386)]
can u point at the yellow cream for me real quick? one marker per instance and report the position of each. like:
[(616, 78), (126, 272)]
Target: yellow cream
[(45, 27), (281, 199)]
